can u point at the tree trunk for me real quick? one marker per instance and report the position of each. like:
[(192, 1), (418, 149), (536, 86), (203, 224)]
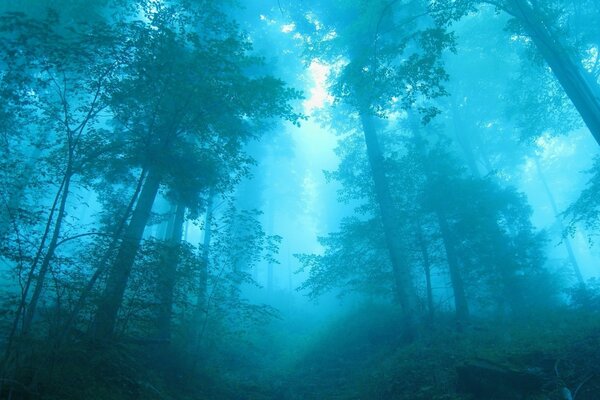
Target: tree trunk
[(200, 318), (112, 298), (400, 265), (460, 299), (203, 287), (168, 273), (39, 284), (270, 225), (104, 262), (578, 84), (427, 268)]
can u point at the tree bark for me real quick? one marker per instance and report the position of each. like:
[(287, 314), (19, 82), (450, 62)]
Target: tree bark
[(112, 298), (400, 265)]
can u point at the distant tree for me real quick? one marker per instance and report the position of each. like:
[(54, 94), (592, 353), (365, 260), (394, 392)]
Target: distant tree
[(478, 231), (388, 61)]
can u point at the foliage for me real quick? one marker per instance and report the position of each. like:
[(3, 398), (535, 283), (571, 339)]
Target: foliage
[(586, 209)]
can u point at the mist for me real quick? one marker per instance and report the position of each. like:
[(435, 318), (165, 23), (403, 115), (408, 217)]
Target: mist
[(281, 200)]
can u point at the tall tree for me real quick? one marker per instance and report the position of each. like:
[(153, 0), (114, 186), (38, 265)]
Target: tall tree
[(389, 62), (194, 107)]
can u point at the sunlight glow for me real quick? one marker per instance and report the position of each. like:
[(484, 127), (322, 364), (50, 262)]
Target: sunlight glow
[(551, 147), (319, 95), (266, 19), (590, 62), (287, 28)]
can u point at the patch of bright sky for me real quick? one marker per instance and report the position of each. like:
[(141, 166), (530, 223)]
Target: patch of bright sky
[(153, 7), (319, 95), (267, 20), (314, 150), (549, 149), (591, 60), (552, 147), (288, 28), (313, 20)]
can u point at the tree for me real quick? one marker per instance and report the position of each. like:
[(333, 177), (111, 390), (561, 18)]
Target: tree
[(541, 23), (64, 80), (207, 107), (389, 62), (477, 232)]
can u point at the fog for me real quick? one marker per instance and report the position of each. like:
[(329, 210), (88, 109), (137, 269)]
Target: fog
[(299, 200)]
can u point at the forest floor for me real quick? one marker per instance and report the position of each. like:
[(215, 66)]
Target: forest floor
[(361, 356), (534, 358), (357, 356)]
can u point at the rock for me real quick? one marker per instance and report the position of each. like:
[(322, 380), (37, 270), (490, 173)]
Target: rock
[(487, 380)]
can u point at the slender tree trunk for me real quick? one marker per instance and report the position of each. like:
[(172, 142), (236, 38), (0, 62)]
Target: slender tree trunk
[(169, 274), (39, 284), (578, 84), (200, 318), (21, 308), (460, 299), (103, 264), (203, 287), (427, 269), (401, 267), (270, 225), (566, 239), (112, 298)]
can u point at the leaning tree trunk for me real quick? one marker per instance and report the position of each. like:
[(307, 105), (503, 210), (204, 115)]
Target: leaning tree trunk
[(103, 264), (45, 265), (112, 298), (578, 84), (400, 265)]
